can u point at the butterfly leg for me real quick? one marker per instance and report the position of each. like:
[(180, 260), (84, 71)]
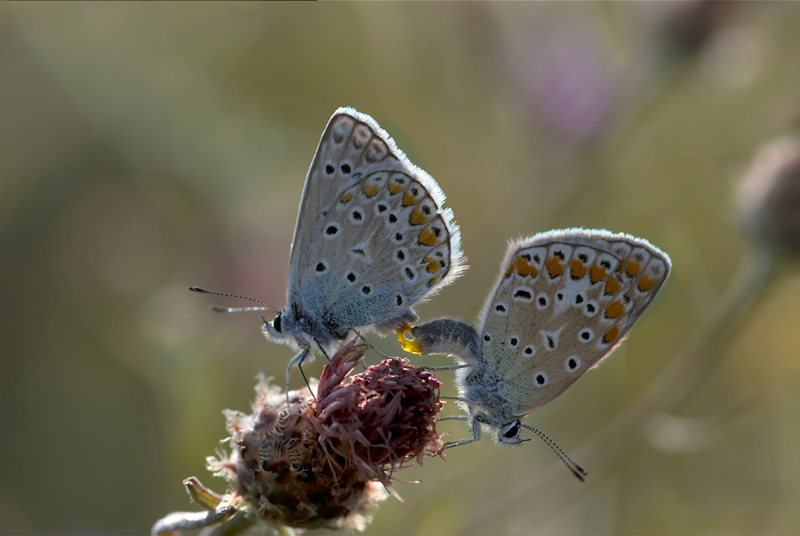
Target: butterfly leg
[(297, 361), (476, 435), (370, 345), (455, 418), (321, 349), (464, 400), (449, 367)]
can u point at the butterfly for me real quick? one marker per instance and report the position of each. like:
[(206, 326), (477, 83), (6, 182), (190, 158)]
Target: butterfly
[(371, 240), (562, 302)]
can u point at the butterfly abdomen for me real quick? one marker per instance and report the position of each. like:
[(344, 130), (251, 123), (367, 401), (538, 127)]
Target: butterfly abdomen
[(449, 337)]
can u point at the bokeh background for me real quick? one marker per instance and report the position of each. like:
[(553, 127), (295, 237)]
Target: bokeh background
[(147, 147)]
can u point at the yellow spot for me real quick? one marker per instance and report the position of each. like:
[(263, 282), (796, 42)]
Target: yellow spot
[(577, 268), (371, 189), (412, 346), (612, 285), (427, 238), (633, 268), (418, 217), (554, 266), (409, 199), (433, 265), (524, 268), (611, 334), (647, 282), (346, 197), (395, 188), (433, 281), (615, 309), (598, 273)]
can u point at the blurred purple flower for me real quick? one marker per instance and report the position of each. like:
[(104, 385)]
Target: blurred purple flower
[(562, 81)]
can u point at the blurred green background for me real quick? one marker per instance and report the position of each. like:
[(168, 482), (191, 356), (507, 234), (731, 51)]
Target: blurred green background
[(147, 147)]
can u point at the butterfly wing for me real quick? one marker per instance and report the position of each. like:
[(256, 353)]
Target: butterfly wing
[(562, 302), (372, 237)]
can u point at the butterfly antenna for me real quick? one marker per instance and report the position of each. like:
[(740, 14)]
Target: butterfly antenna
[(218, 309), (576, 469)]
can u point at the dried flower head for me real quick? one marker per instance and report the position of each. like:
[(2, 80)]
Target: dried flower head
[(382, 418), (769, 196), (322, 462)]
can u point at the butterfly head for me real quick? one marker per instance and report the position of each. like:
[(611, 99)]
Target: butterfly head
[(280, 329), (504, 434), (508, 434)]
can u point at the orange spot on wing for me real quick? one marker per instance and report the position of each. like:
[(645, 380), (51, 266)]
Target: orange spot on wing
[(611, 334), (633, 268), (510, 270), (555, 267), (577, 268), (409, 199), (647, 282), (598, 273), (524, 268), (427, 238), (612, 285), (395, 188), (346, 197), (615, 309), (433, 264), (433, 281), (417, 216), (371, 189)]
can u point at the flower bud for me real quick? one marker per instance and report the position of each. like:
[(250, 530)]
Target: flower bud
[(769, 196)]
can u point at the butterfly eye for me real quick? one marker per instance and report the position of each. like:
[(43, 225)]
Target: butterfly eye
[(276, 323), (512, 431)]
